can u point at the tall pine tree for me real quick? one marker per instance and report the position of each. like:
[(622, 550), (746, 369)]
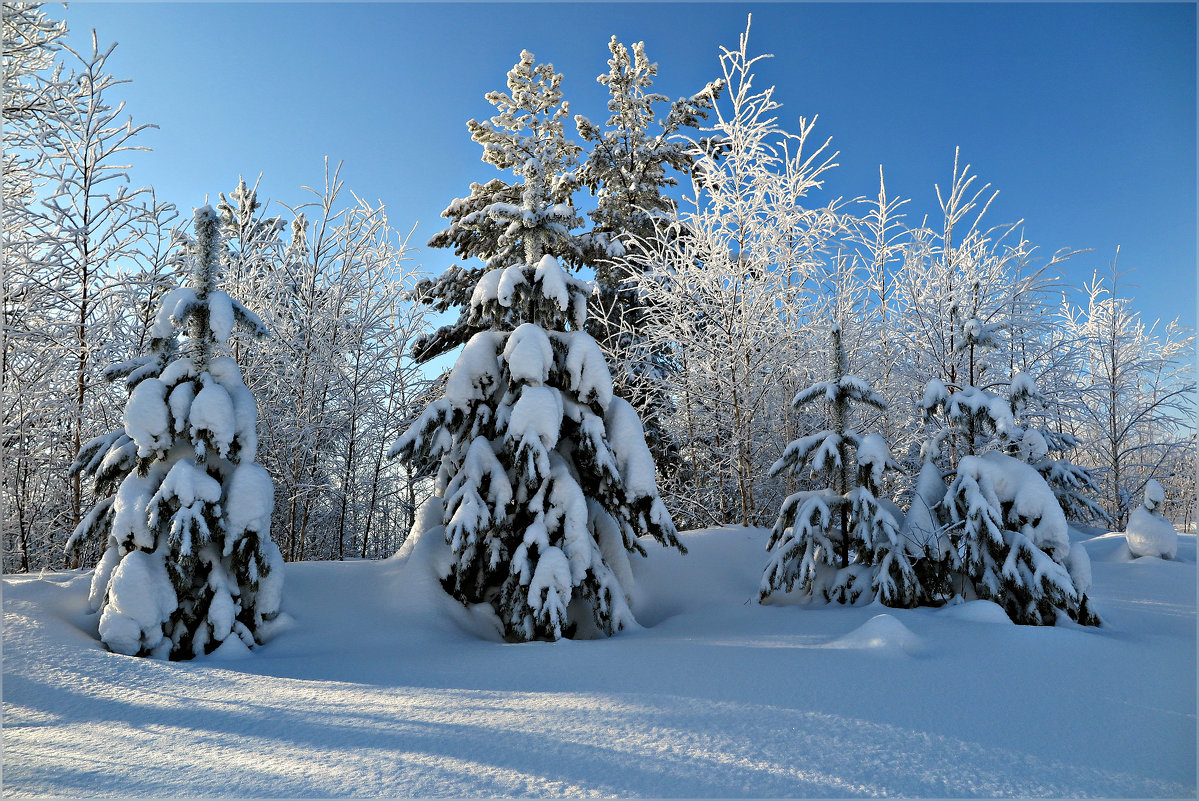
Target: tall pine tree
[(504, 223), (544, 482), (627, 172)]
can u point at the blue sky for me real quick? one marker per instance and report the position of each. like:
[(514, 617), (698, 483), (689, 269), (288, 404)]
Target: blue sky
[(1082, 115)]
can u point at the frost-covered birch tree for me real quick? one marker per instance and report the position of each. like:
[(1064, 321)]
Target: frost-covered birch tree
[(877, 238), (970, 304), (189, 565), (90, 220), (333, 383), (74, 232), (1138, 395), (724, 286)]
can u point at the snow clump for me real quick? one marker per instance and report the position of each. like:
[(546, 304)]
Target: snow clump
[(1150, 534)]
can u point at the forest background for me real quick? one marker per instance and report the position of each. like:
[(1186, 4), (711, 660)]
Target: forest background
[(1083, 115)]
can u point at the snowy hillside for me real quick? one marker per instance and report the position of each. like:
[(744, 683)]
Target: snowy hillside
[(374, 684)]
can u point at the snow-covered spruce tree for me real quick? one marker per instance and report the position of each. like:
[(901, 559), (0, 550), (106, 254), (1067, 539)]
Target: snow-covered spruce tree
[(189, 563), (1070, 483), (494, 222), (1012, 542), (1007, 528), (544, 481), (626, 171), (837, 541)]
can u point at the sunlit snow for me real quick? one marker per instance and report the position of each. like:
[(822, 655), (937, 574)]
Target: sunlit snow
[(375, 683)]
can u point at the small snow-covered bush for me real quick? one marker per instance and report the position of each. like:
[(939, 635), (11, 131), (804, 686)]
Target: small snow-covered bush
[(1148, 533), (188, 561)]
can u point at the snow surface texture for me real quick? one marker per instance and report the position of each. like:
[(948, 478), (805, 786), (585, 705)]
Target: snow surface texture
[(377, 684)]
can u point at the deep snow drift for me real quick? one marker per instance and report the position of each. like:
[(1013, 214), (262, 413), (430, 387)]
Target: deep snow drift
[(374, 684)]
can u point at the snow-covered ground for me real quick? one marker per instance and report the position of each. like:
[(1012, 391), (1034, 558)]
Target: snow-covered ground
[(376, 685)]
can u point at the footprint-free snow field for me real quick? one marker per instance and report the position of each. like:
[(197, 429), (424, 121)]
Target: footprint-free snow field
[(376, 684)]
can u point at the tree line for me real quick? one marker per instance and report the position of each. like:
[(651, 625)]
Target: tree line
[(717, 277), (87, 259)]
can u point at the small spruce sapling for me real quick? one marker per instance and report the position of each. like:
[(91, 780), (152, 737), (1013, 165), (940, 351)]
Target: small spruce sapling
[(1006, 526), (1012, 541), (188, 565), (837, 541)]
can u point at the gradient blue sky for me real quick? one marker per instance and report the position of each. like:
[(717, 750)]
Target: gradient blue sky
[(1082, 115)]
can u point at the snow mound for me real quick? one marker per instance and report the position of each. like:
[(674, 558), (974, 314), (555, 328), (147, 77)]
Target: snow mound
[(251, 499), (883, 632), (146, 417), (1078, 564), (141, 599), (874, 454), (1155, 496), (978, 612), (212, 412), (416, 572), (1020, 485), (529, 354), (627, 438), (232, 648), (1150, 534)]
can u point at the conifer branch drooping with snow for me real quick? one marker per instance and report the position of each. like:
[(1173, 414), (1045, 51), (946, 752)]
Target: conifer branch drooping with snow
[(189, 565)]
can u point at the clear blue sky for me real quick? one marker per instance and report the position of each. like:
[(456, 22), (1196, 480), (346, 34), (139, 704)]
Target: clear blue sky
[(1082, 115)]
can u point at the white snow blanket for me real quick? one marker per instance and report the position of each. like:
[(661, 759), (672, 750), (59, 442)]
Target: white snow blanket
[(376, 684)]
